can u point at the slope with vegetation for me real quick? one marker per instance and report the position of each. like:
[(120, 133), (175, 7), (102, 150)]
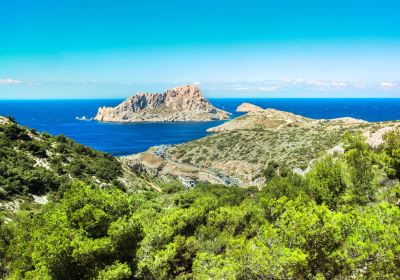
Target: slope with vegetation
[(245, 150), (35, 163), (340, 221), (38, 164)]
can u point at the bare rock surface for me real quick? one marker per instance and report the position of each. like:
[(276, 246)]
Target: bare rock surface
[(4, 120), (343, 121), (184, 103), (248, 107), (375, 138), (40, 199), (162, 166)]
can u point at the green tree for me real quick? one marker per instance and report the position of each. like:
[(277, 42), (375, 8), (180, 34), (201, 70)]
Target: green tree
[(359, 159), (391, 147), (326, 182)]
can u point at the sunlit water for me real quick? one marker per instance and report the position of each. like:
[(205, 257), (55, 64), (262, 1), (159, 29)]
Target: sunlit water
[(59, 117)]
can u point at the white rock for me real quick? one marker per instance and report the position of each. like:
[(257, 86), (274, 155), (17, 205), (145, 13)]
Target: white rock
[(40, 199), (248, 107)]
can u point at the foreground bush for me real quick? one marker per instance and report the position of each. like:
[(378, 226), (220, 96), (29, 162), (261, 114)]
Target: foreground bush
[(340, 221)]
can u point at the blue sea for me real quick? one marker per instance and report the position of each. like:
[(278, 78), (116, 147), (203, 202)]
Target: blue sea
[(59, 117)]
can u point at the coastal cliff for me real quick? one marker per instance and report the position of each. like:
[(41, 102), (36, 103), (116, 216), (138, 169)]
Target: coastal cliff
[(184, 103)]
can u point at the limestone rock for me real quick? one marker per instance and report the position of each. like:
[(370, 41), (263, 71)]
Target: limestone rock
[(184, 103), (247, 107), (4, 120)]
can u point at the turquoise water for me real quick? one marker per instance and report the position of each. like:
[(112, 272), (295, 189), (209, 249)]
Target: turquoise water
[(59, 117)]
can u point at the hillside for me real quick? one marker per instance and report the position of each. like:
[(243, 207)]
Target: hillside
[(338, 221), (184, 103), (243, 150), (33, 165)]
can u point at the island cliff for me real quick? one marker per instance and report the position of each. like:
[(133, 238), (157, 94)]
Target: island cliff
[(184, 103)]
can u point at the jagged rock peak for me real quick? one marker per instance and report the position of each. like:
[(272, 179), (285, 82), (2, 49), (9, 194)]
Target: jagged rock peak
[(183, 103)]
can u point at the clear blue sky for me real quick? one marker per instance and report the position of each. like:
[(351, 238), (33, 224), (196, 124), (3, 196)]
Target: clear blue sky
[(100, 49)]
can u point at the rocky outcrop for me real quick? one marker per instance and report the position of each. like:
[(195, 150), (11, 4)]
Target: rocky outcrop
[(262, 119), (375, 138), (184, 103), (271, 119), (343, 121), (163, 167), (4, 120), (247, 107)]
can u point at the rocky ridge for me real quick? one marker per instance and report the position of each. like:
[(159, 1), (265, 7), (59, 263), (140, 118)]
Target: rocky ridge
[(184, 103)]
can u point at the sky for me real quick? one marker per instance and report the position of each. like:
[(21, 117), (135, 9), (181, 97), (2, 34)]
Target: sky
[(285, 48)]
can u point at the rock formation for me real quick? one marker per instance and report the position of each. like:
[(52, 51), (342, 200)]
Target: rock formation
[(184, 103), (248, 107), (4, 120), (262, 119), (276, 119)]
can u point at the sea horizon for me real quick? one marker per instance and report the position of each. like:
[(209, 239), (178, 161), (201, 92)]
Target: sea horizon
[(101, 179), (209, 98), (59, 116)]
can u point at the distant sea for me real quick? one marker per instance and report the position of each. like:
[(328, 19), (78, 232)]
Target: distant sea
[(59, 117)]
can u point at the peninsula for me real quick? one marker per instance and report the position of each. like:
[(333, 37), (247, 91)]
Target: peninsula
[(242, 149)]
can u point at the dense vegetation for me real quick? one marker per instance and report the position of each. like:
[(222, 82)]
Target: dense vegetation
[(340, 221), (34, 163)]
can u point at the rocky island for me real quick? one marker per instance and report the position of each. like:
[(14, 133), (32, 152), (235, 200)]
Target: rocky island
[(184, 103), (247, 107)]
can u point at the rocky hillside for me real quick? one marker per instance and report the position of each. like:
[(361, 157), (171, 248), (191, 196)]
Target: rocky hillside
[(338, 221), (245, 149), (184, 103)]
